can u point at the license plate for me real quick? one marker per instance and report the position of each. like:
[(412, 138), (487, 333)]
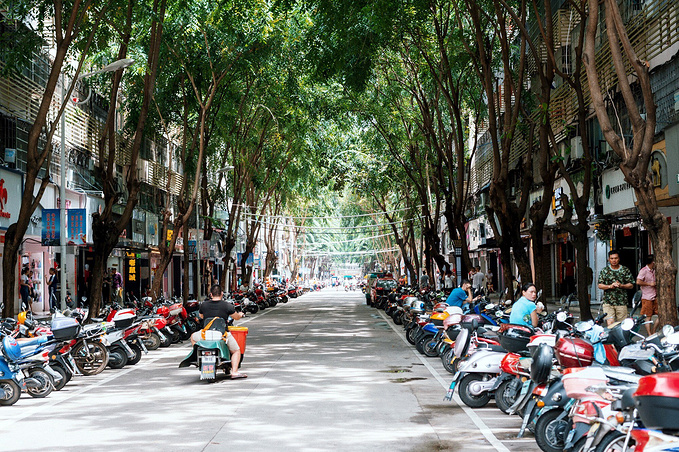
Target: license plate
[(209, 358)]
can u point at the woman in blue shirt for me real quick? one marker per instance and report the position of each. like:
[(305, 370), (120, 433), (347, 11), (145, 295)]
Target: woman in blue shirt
[(525, 311)]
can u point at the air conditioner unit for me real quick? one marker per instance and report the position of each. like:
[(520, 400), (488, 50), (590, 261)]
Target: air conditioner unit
[(576, 147)]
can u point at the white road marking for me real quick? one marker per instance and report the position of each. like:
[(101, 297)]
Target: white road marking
[(485, 430)]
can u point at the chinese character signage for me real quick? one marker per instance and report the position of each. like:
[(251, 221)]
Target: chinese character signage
[(77, 227), (50, 227), (131, 266)]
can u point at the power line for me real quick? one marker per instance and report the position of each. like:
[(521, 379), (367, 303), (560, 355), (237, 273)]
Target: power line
[(341, 253)]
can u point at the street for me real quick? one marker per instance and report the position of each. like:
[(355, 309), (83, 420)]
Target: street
[(326, 372)]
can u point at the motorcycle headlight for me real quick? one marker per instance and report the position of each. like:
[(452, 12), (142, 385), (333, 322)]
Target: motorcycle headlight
[(557, 397)]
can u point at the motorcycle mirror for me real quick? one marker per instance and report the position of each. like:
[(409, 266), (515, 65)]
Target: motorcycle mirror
[(581, 327), (667, 330), (539, 294), (561, 316), (673, 339), (627, 324)]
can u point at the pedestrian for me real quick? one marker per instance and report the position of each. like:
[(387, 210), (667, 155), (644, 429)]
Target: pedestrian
[(614, 280), (51, 281), (525, 311), (478, 280), (218, 307), (424, 280), (649, 303), (489, 281), (25, 289), (568, 277), (448, 282), (116, 285)]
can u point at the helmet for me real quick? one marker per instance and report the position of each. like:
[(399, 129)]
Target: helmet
[(22, 317)]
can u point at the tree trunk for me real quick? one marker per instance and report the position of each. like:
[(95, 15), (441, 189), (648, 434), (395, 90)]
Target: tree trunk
[(583, 273), (187, 263)]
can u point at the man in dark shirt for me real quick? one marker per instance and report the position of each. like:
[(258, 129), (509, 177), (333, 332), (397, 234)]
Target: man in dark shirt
[(216, 306)]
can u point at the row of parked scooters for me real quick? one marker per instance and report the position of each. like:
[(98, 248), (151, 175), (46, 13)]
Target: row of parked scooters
[(578, 386), (38, 357)]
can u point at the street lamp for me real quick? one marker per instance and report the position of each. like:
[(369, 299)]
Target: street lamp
[(116, 65)]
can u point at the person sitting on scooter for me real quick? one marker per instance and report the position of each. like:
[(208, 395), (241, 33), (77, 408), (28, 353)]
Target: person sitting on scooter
[(525, 311), (216, 306), (461, 295)]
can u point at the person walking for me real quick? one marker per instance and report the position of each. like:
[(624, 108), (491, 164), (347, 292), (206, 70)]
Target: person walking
[(649, 304), (424, 280), (614, 280)]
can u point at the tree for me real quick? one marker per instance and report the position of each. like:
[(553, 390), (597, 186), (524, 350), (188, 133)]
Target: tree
[(72, 21), (105, 229), (636, 153)]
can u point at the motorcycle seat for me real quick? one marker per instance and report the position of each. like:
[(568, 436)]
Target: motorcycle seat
[(492, 348), (33, 341)]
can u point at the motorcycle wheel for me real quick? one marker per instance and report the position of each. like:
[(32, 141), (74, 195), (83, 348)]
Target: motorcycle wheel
[(273, 302), (90, 360), (46, 384), (398, 318), (191, 326), (185, 335), (136, 348), (165, 342), (254, 309), (612, 442), (422, 341), (152, 341), (176, 336), (449, 362), (550, 433), (503, 400), (117, 358), (431, 348), (473, 401), (410, 335), (12, 392), (64, 376)]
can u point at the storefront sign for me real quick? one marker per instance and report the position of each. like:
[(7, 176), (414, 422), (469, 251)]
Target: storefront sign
[(617, 193), (131, 266), (50, 227), (11, 184), (77, 227)]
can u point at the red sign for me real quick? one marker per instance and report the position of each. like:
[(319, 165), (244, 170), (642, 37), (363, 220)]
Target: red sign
[(3, 199)]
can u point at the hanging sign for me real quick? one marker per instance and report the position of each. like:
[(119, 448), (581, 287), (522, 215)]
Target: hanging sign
[(50, 227), (77, 226)]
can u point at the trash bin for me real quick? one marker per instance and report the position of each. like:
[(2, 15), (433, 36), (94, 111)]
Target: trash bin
[(240, 333)]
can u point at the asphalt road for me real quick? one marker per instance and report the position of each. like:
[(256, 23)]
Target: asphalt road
[(326, 372)]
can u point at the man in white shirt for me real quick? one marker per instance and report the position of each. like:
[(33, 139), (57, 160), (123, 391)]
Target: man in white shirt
[(478, 279)]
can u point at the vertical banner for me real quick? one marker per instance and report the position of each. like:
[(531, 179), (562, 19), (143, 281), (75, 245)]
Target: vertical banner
[(77, 227), (50, 227)]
